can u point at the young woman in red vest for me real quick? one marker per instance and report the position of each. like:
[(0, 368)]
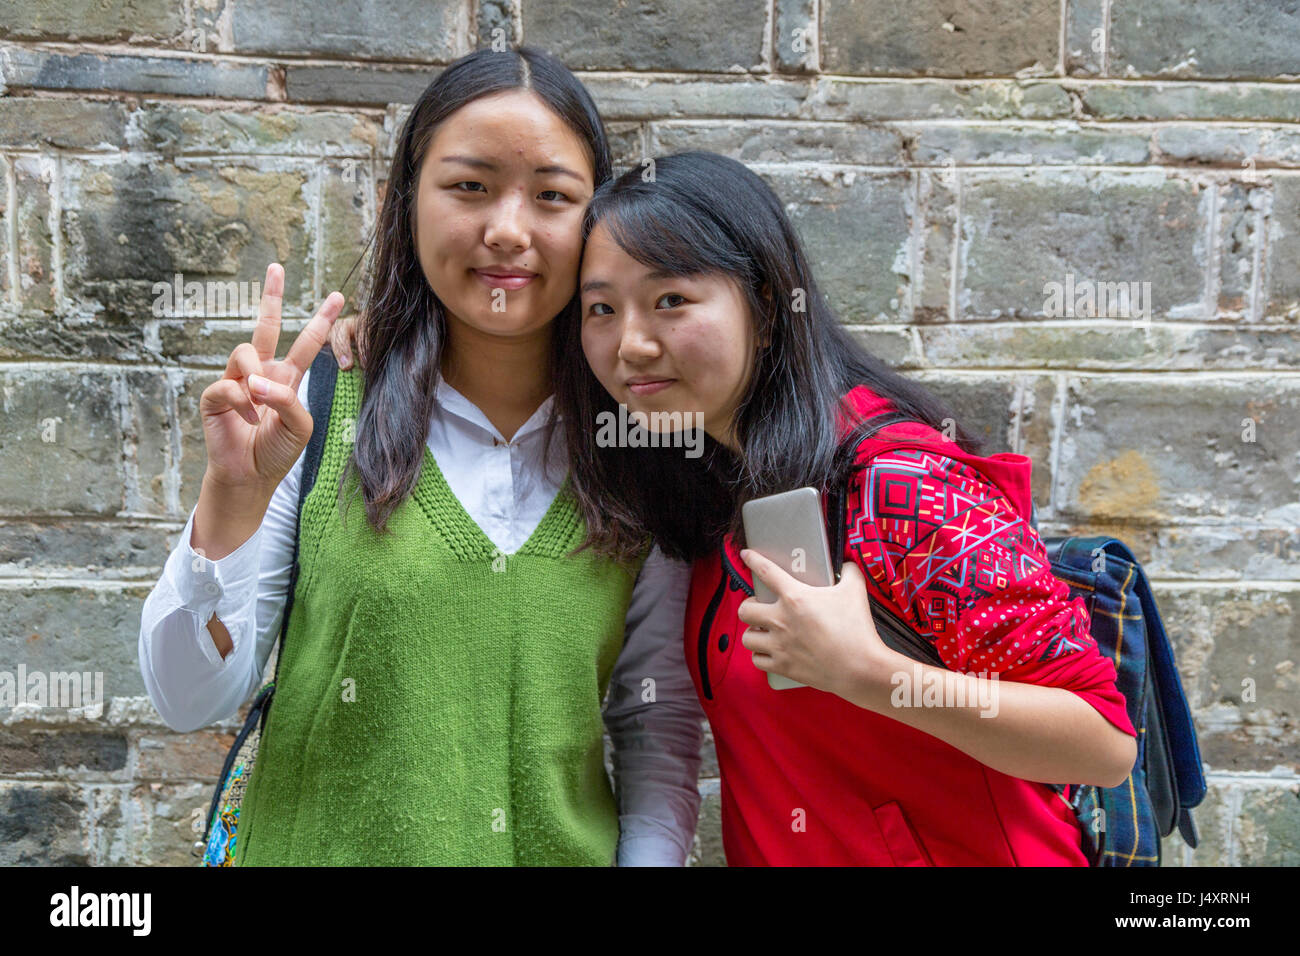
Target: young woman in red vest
[(698, 300)]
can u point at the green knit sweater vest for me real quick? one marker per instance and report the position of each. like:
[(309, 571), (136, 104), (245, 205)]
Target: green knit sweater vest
[(438, 702)]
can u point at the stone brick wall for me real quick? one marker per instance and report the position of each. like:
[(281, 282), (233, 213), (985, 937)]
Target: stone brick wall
[(944, 163)]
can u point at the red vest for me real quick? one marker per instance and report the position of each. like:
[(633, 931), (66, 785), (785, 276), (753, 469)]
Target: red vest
[(809, 778)]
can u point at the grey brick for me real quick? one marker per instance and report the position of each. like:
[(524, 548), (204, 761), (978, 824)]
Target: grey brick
[(73, 338), (1239, 148), (1023, 231), (781, 142), (1280, 282), (43, 751), (84, 549), (1011, 145), (1250, 822), (708, 834), (625, 145), (133, 224), (1241, 212), (1268, 828), (1116, 346), (173, 129), (493, 16), (172, 817), (1214, 828), (151, 443), (1163, 450), (984, 406), (42, 825), (854, 227), (984, 100), (936, 235), (62, 441), (649, 34), (641, 98), (432, 30), (1200, 552), (113, 821), (42, 70), (209, 342), (1204, 38), (1085, 37), (1188, 100), (194, 453), (1232, 645), (67, 124), (1032, 402), (368, 86), (997, 37), (194, 756), (795, 36), (120, 21), (892, 345), (71, 629), (34, 251), (348, 210)]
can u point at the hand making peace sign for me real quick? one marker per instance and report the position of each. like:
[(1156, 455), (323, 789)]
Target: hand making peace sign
[(254, 426)]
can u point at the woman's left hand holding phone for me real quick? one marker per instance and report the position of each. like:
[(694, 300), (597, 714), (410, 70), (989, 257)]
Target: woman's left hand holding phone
[(820, 636)]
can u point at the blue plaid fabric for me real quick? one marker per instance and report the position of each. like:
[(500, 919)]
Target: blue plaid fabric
[(1120, 823)]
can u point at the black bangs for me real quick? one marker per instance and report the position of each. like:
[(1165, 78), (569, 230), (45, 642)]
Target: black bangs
[(665, 229)]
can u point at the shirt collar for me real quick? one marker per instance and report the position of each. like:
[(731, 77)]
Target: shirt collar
[(454, 403)]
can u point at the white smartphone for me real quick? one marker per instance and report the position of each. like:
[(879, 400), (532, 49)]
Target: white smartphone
[(788, 530)]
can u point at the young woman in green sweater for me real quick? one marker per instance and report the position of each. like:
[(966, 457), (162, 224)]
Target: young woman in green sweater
[(439, 695)]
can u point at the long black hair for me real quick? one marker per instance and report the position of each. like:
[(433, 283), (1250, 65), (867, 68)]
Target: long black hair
[(702, 213), (403, 326)]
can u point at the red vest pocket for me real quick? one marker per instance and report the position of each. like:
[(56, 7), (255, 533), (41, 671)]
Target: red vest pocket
[(904, 844)]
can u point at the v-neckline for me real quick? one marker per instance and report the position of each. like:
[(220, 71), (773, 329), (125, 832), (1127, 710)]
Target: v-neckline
[(481, 540)]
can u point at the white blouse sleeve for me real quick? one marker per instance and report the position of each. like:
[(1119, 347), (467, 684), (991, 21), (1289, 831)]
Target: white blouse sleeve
[(187, 680)]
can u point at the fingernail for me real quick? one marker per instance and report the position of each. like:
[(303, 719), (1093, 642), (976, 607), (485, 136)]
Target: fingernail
[(257, 385)]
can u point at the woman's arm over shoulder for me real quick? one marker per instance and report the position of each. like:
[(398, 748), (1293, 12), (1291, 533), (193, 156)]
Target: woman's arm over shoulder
[(185, 675), (655, 722)]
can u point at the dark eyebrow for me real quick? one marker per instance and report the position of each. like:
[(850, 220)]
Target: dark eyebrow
[(484, 164), (593, 284)]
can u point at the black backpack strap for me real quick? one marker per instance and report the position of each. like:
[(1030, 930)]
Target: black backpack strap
[(838, 492), (320, 399), (835, 509)]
